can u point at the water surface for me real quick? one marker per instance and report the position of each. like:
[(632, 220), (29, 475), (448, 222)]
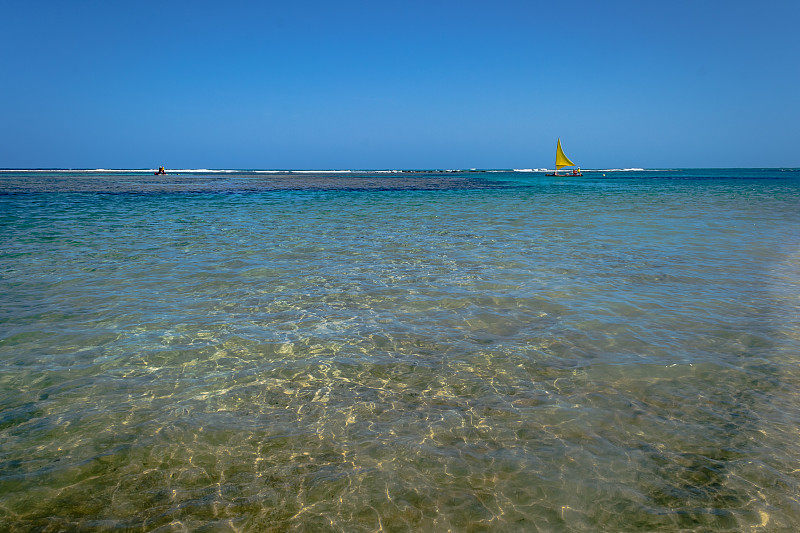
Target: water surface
[(465, 351)]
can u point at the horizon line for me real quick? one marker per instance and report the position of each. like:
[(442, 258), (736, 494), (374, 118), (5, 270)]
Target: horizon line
[(382, 170)]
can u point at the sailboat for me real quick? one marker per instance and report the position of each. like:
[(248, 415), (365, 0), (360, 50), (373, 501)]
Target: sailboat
[(563, 161)]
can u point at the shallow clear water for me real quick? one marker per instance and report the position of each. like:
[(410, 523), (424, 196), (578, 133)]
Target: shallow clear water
[(416, 352)]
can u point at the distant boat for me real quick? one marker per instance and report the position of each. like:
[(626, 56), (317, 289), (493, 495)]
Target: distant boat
[(563, 161)]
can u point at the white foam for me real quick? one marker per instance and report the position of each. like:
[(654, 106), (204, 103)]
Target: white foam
[(201, 170), (115, 170), (318, 171), (75, 170)]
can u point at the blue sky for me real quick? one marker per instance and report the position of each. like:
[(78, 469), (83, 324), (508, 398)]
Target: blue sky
[(413, 84)]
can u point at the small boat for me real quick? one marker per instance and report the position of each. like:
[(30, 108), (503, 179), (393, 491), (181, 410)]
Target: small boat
[(563, 161)]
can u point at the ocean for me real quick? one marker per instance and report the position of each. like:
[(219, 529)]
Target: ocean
[(429, 351)]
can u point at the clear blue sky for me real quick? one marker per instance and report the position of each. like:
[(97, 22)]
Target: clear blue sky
[(411, 84)]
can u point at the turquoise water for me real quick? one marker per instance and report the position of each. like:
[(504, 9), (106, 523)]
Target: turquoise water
[(461, 351)]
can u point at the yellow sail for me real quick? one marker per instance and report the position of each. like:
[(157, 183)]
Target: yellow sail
[(561, 159)]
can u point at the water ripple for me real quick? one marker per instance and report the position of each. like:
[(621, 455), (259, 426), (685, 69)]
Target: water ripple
[(466, 353)]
